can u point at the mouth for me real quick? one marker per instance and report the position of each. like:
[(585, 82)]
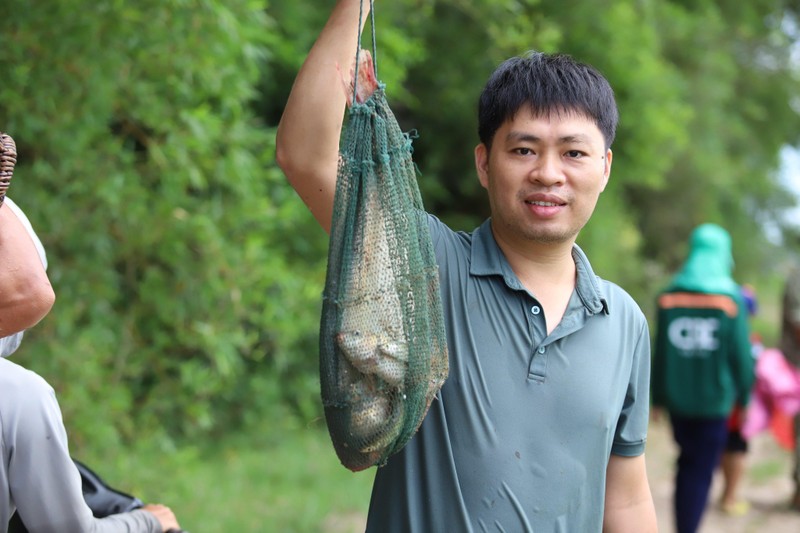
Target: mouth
[(543, 204)]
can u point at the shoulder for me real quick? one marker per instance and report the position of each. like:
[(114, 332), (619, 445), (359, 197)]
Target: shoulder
[(600, 295), (442, 232), (613, 292), (23, 390), (449, 245), (618, 301), (16, 377)]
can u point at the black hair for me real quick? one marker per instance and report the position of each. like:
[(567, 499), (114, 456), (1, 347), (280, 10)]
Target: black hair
[(547, 83)]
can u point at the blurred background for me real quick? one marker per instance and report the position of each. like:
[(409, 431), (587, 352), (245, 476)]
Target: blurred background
[(183, 343)]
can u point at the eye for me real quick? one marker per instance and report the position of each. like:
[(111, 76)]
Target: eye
[(523, 151), (575, 154)]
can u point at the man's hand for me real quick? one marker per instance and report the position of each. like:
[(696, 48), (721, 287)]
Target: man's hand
[(164, 515)]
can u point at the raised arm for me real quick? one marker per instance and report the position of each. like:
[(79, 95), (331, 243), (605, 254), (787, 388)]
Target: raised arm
[(308, 135), (26, 295)]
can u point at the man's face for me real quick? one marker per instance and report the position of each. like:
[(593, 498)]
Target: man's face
[(544, 176)]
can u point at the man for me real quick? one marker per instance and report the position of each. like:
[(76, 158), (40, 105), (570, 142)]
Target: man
[(790, 346), (38, 478), (703, 365), (542, 422)]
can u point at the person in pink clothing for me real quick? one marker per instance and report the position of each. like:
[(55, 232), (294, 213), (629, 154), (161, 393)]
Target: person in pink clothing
[(776, 397)]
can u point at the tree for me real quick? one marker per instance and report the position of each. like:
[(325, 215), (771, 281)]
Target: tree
[(166, 222)]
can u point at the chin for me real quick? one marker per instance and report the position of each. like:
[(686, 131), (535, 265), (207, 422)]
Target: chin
[(549, 236), (551, 239)]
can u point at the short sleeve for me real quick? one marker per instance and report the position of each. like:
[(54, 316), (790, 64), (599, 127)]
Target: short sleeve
[(631, 433), (29, 228), (9, 344)]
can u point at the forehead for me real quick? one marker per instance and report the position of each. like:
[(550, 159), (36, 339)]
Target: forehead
[(558, 123)]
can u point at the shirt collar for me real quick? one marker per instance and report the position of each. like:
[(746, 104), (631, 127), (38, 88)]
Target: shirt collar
[(487, 259)]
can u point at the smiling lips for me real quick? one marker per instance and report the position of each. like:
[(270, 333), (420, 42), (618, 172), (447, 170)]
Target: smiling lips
[(545, 206)]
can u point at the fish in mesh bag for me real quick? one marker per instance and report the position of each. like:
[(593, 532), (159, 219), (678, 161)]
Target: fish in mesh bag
[(383, 351), (8, 158)]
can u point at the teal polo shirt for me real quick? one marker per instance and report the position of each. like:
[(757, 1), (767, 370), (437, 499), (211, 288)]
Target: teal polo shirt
[(519, 437)]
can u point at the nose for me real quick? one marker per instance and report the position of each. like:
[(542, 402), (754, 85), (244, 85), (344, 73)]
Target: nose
[(548, 170)]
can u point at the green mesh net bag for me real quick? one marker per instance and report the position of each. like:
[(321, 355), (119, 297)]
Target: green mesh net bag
[(383, 351)]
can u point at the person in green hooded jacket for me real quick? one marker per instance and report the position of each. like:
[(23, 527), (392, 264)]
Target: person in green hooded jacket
[(702, 365)]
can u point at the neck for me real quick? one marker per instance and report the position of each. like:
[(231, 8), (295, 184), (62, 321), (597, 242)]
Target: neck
[(546, 270), (541, 267)]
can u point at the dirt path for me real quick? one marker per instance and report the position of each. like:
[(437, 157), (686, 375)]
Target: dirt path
[(767, 487)]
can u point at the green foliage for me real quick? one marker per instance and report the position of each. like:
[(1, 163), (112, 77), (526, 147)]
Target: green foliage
[(736, 74), (182, 296)]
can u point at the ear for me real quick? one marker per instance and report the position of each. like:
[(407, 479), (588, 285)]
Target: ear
[(607, 168), (482, 164)]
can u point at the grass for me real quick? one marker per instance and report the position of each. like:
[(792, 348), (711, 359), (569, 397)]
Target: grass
[(250, 483)]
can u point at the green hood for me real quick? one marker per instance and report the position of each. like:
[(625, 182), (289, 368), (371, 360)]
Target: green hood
[(709, 265)]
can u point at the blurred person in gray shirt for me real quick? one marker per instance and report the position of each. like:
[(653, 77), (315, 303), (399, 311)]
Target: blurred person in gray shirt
[(38, 478)]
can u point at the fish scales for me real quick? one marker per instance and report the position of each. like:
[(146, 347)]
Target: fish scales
[(372, 335)]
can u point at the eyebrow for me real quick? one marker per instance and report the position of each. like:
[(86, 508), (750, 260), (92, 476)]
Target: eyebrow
[(518, 136)]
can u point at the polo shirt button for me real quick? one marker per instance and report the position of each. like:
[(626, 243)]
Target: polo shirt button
[(535, 310), (542, 349)]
